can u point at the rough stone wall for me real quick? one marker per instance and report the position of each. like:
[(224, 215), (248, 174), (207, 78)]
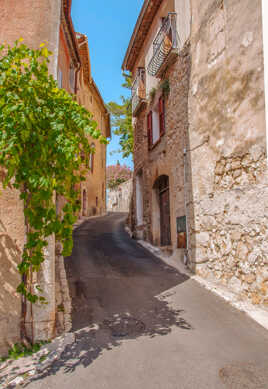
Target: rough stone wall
[(35, 21), (166, 158), (228, 188), (118, 200), (63, 300), (12, 234)]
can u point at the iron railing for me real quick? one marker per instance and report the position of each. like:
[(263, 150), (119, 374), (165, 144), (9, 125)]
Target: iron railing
[(138, 90), (165, 42)]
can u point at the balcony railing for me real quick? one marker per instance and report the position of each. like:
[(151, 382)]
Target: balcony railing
[(165, 46), (138, 91)]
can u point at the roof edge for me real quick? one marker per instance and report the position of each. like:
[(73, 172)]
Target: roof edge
[(134, 34)]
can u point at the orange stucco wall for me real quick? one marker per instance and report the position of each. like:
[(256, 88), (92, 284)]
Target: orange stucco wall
[(95, 184), (36, 21)]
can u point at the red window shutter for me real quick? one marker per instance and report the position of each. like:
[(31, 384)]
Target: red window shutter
[(150, 129), (162, 115)]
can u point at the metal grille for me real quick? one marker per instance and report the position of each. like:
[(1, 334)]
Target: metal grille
[(166, 40)]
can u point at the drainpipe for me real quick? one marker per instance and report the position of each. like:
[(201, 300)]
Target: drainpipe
[(185, 151), (76, 78), (186, 254)]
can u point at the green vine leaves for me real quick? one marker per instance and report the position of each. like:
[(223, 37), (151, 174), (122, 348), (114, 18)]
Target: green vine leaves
[(43, 136)]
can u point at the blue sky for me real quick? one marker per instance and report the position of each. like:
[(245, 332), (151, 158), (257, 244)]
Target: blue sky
[(108, 26)]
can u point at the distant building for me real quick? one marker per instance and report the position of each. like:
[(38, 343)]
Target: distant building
[(119, 199)]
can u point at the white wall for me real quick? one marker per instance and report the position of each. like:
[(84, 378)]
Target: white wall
[(265, 44), (183, 10)]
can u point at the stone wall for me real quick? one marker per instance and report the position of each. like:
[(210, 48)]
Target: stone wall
[(119, 199), (62, 295), (227, 185), (12, 233)]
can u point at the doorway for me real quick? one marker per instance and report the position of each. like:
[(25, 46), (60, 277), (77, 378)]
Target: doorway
[(84, 210), (161, 187)]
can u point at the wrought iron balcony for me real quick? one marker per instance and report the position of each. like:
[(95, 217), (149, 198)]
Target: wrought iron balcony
[(165, 46), (138, 92)]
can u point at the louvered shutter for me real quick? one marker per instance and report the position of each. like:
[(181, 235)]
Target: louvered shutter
[(162, 115), (150, 129)]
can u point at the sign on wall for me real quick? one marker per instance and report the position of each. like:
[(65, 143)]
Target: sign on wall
[(181, 232)]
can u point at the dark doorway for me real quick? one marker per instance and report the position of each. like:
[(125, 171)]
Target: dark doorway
[(84, 202), (162, 185)]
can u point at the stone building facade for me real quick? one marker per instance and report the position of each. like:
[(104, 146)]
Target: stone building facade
[(119, 199), (213, 148), (229, 173), (36, 21), (93, 190)]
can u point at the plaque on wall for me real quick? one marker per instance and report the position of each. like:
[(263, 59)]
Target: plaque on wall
[(181, 232)]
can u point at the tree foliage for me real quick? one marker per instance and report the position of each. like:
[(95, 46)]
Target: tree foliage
[(43, 134), (117, 174), (122, 120)]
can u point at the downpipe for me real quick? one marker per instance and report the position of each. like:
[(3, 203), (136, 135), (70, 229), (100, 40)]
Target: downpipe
[(186, 258)]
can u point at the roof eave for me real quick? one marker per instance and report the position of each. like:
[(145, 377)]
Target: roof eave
[(134, 35)]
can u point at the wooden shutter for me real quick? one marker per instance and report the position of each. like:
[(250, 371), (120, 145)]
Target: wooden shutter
[(150, 129), (162, 115)]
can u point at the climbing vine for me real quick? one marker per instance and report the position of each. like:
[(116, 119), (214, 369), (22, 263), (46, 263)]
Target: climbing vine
[(44, 150)]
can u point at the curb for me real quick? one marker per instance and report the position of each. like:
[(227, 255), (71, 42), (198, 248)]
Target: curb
[(259, 315)]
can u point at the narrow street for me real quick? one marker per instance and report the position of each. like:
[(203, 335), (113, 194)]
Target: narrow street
[(140, 324)]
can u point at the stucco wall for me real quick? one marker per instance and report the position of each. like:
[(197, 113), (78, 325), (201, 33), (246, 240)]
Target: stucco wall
[(95, 184), (11, 245), (228, 173), (36, 22)]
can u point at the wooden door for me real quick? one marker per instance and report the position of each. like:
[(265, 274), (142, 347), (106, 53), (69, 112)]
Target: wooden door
[(165, 217), (84, 202)]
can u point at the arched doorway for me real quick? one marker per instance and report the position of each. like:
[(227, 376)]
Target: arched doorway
[(161, 188)]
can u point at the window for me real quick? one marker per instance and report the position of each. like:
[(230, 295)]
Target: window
[(72, 78), (150, 129), (59, 78), (97, 201), (156, 122)]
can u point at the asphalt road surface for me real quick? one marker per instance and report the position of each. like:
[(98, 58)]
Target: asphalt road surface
[(140, 324)]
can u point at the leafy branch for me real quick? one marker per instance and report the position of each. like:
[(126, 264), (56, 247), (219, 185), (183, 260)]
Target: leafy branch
[(43, 134)]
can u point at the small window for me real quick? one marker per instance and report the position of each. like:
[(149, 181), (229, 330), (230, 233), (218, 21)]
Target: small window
[(72, 78), (59, 78), (150, 129), (97, 201)]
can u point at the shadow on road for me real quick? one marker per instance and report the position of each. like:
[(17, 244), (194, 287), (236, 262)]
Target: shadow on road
[(119, 292)]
